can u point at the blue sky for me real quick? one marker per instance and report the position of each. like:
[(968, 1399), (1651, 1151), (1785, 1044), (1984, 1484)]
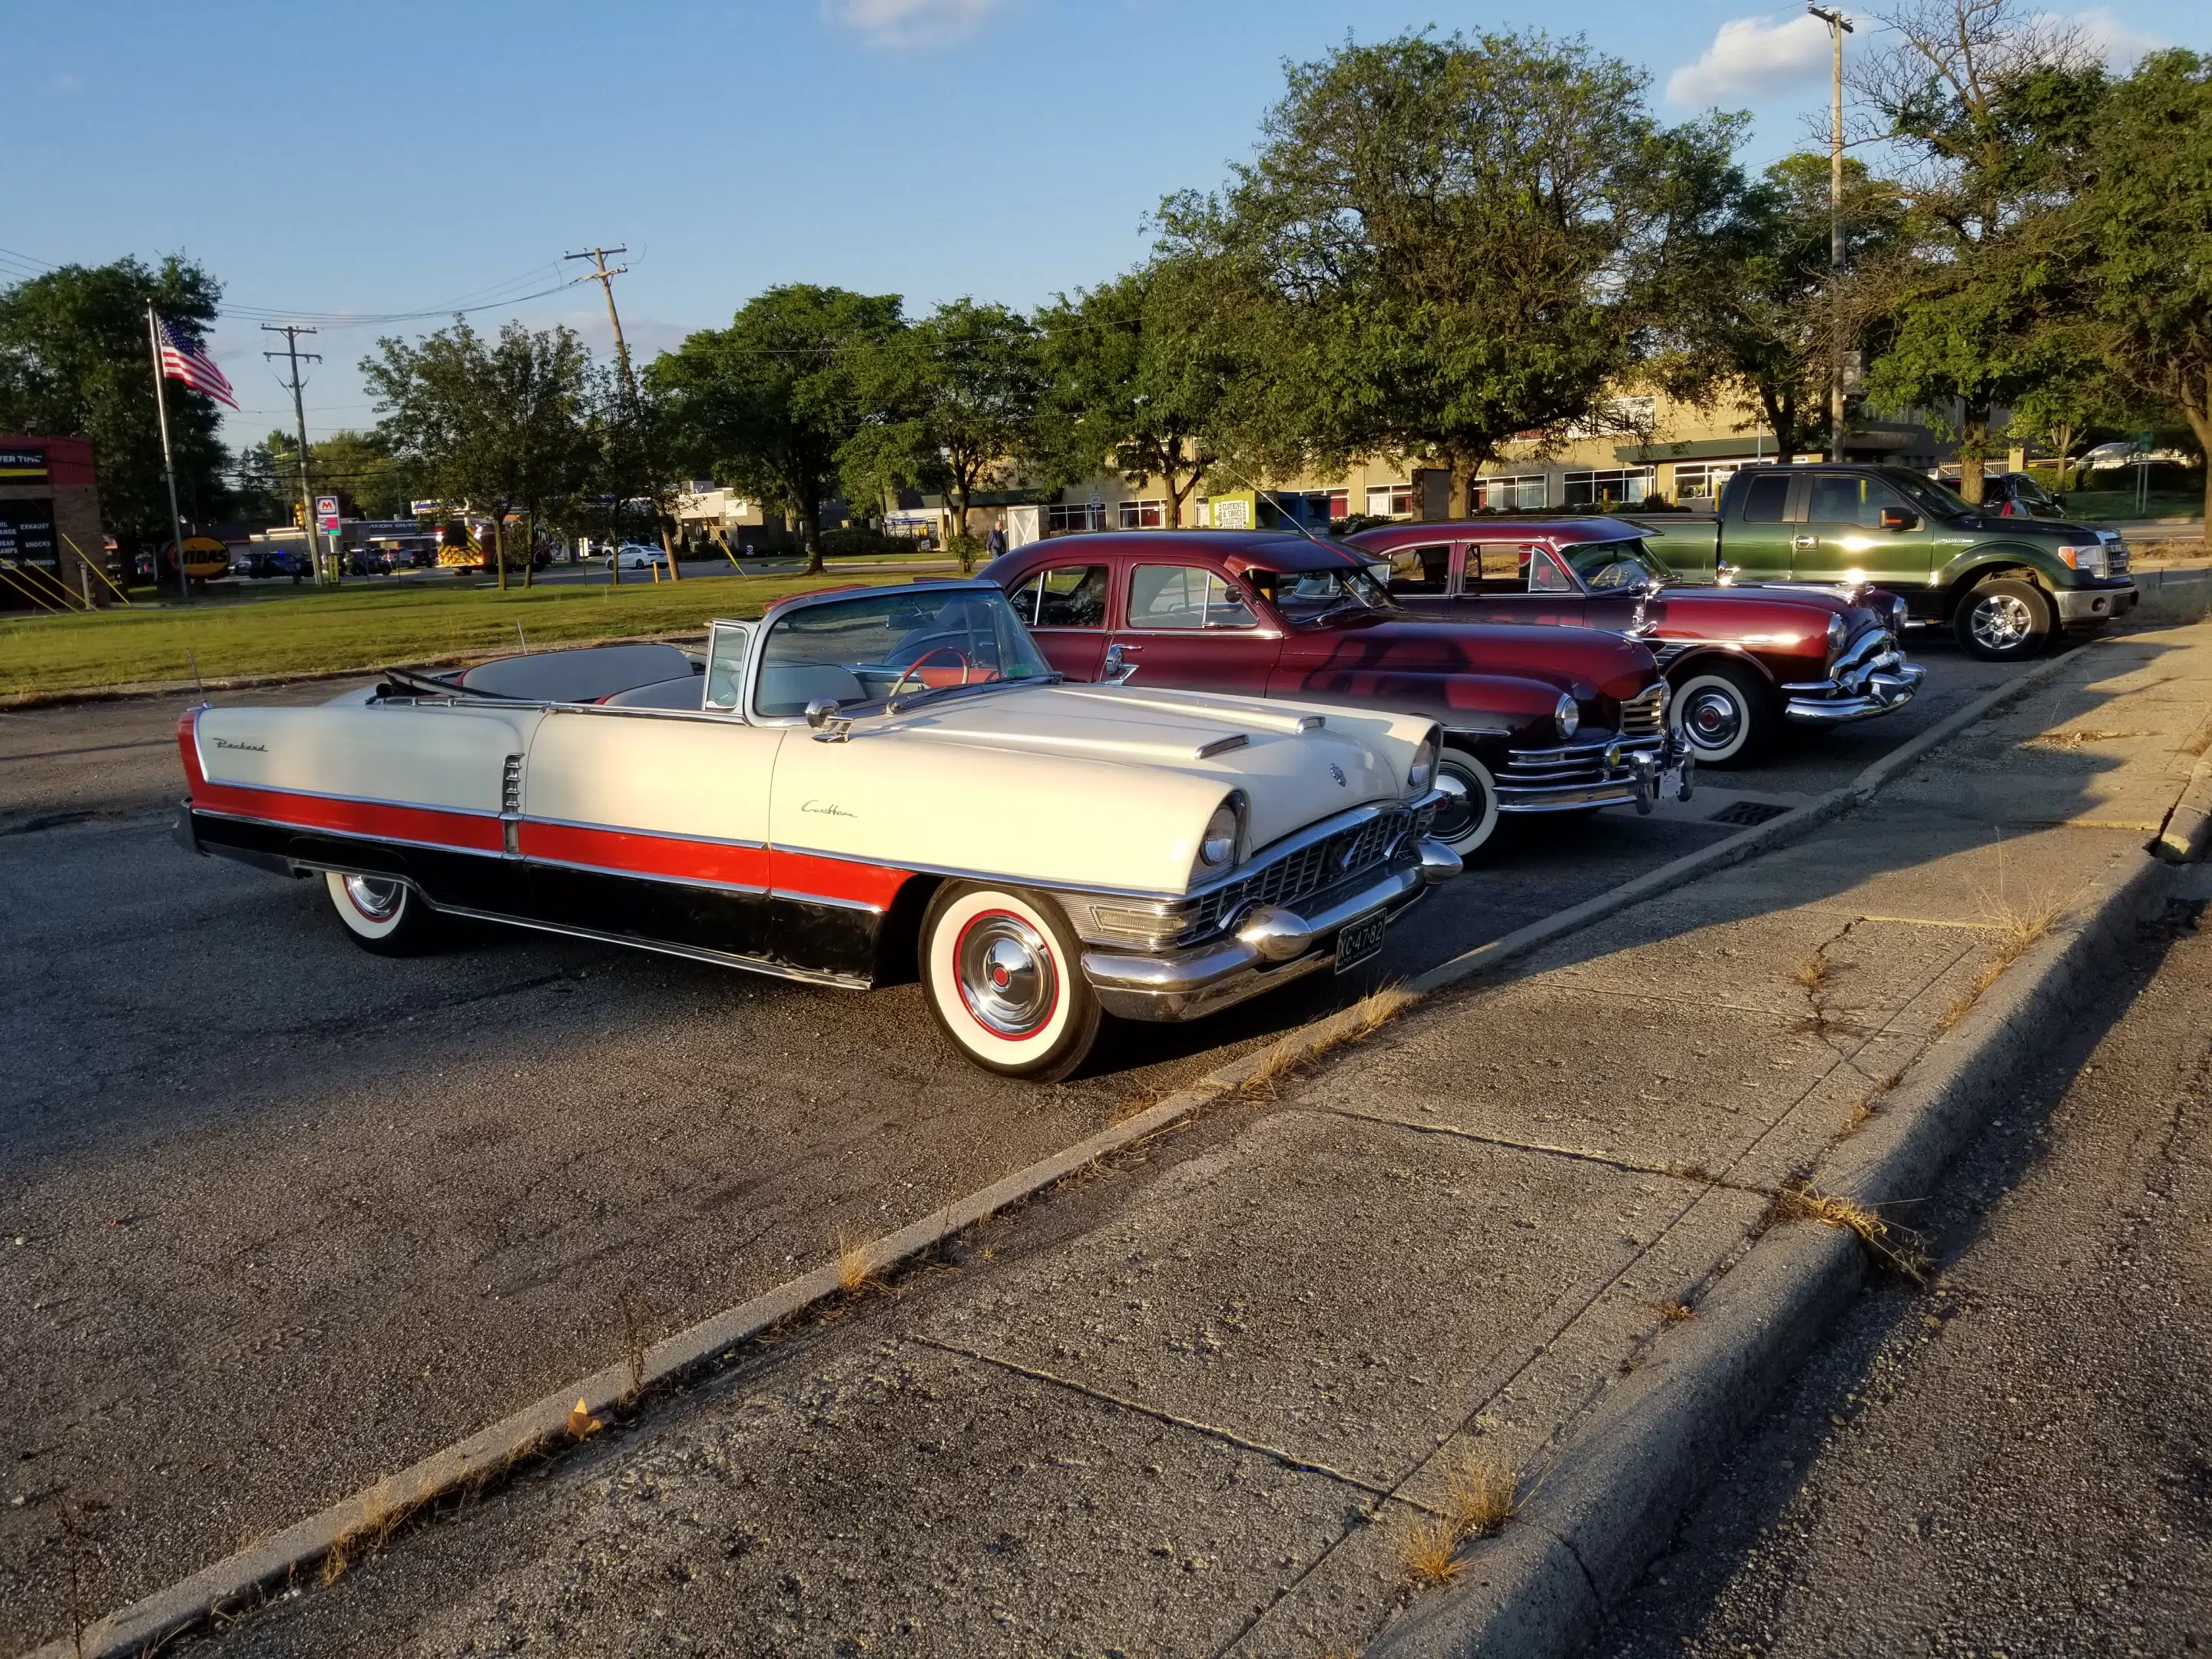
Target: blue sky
[(397, 156)]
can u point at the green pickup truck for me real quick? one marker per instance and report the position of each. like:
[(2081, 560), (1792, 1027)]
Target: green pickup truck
[(2005, 586)]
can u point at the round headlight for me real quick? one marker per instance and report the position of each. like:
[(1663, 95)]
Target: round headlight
[(1567, 714), (1218, 845), (1423, 769), (1836, 632)]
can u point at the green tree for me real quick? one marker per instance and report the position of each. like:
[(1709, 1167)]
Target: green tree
[(368, 479), (1444, 243), (1992, 106), (2146, 211), (75, 361), (948, 403), (1755, 310), (501, 424), (1142, 371), (770, 403)]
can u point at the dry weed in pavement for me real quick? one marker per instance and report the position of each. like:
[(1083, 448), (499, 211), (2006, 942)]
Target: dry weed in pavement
[(1428, 1550), (1480, 1492), (1675, 1312), (382, 1514), (637, 1326), (81, 1548), (2016, 921), (853, 1273), (1834, 1210), (1355, 1024)]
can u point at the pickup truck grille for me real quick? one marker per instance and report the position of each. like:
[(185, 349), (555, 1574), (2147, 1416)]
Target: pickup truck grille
[(1645, 715), (1308, 870)]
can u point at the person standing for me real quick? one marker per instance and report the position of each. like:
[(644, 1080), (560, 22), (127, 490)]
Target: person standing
[(994, 544)]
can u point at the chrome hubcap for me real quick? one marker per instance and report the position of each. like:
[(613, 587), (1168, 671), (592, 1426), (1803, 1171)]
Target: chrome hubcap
[(1006, 974), (1462, 807), (1713, 718), (2001, 620), (379, 900)]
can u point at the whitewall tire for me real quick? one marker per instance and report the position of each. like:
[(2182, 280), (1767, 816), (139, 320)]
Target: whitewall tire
[(1468, 817), (1002, 972), (382, 914), (1723, 711)]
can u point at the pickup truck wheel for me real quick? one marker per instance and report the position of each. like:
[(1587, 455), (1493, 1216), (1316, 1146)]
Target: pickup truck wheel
[(1467, 816), (383, 914), (2003, 621), (1003, 973), (1726, 712)]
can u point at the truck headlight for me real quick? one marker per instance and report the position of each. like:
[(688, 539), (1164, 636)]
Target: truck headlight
[(2090, 560), (1566, 714), (1423, 771)]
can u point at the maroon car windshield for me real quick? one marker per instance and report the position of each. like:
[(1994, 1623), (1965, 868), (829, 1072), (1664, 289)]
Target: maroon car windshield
[(1304, 597), (1607, 566)]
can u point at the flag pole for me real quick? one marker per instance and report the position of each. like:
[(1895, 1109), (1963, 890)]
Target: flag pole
[(169, 466)]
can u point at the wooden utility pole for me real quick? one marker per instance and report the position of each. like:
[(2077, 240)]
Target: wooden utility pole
[(606, 278), (295, 356), (1838, 27)]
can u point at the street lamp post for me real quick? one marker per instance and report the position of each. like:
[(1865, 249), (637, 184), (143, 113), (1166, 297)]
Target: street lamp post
[(1838, 27)]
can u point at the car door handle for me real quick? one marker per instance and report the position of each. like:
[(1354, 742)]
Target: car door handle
[(1804, 543), (1129, 647)]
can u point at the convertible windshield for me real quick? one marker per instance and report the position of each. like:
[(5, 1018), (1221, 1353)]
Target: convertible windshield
[(1605, 566), (1306, 596), (861, 649)]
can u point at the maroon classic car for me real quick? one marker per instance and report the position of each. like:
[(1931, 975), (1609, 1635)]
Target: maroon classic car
[(1535, 720), (1741, 660)]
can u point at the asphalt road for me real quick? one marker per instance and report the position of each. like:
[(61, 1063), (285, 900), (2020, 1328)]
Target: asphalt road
[(2019, 1459), (277, 1216)]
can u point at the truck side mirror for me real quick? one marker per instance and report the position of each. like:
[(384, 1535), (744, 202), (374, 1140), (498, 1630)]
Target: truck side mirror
[(1896, 518)]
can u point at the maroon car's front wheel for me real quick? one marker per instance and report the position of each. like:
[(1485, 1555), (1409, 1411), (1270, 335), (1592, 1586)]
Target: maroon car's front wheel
[(1468, 817), (1726, 713)]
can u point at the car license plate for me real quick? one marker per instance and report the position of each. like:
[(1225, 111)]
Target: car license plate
[(1359, 940)]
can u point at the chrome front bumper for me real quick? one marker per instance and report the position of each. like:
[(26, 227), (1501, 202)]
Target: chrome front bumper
[(1635, 772), (1270, 947), (1870, 678)]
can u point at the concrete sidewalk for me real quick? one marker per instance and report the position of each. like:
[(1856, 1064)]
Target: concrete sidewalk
[(1215, 1414)]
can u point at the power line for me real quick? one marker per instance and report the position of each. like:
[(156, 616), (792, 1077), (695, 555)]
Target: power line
[(292, 353)]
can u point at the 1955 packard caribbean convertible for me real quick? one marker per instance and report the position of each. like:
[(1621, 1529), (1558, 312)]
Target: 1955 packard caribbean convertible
[(1742, 661), (1534, 720), (862, 787)]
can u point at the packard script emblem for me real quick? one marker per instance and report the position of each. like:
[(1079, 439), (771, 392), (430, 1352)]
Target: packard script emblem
[(828, 809)]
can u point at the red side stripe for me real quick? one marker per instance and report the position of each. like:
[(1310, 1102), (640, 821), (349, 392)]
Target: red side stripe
[(621, 850), (802, 875), (375, 819)]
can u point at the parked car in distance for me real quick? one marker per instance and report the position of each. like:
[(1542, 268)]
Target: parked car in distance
[(1744, 662), (2005, 586), (261, 563), (2015, 495), (637, 556), (1535, 720), (863, 787), (369, 561)]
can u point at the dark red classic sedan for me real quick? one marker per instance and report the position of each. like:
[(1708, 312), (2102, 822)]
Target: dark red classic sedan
[(1742, 661), (1534, 720)]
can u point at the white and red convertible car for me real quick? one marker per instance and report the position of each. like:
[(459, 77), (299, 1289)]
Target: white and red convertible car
[(859, 788)]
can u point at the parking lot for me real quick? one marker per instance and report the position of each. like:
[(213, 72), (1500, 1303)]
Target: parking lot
[(279, 1216)]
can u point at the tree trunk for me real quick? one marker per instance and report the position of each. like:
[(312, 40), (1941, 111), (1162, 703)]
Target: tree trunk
[(2062, 439), (1973, 446), (2200, 423), (529, 545), (666, 546), (809, 529), (960, 541), (499, 546)]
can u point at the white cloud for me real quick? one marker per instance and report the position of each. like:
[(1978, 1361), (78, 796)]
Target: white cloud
[(1752, 57), (2113, 41), (901, 24)]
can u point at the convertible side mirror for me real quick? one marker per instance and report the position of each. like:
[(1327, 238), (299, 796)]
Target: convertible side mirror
[(1896, 518), (821, 712)]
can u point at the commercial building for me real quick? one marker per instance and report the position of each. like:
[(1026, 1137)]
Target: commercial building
[(50, 541)]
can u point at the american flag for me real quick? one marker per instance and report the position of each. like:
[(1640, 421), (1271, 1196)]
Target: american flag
[(183, 360)]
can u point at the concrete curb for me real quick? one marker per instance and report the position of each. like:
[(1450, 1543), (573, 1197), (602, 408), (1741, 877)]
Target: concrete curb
[(544, 1424), (2181, 839), (1611, 1502)]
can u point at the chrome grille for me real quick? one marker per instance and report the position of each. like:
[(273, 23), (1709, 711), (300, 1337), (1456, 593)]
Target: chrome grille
[(1301, 873), (2115, 559), (1555, 768), (1644, 714)]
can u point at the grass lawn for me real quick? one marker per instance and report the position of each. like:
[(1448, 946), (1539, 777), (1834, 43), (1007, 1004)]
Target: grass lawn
[(2103, 505), (302, 630)]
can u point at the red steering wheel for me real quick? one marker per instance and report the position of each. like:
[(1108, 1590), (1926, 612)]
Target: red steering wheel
[(967, 667)]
